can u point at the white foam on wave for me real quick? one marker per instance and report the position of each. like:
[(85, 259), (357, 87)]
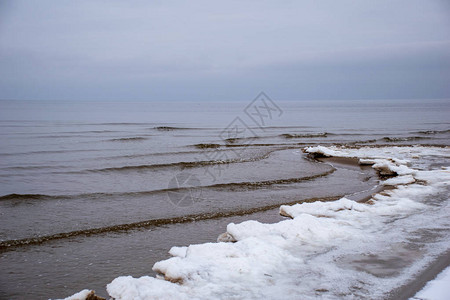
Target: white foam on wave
[(340, 249)]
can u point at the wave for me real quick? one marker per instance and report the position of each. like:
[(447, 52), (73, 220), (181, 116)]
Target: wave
[(31, 197), (85, 131), (311, 135), (219, 186), (284, 127), (61, 136), (171, 128), (256, 184), (19, 168), (120, 123), (181, 165), (363, 142), (129, 139), (11, 244), (433, 131), (52, 152), (207, 146), (149, 154), (235, 140), (404, 139), (286, 146)]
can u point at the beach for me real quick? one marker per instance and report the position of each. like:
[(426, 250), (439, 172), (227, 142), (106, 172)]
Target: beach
[(232, 150), (107, 189)]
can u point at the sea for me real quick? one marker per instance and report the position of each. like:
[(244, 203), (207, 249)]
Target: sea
[(92, 190)]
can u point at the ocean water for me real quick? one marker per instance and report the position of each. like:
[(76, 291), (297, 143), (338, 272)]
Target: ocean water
[(93, 190)]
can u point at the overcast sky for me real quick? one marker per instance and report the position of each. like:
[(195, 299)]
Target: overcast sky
[(224, 50)]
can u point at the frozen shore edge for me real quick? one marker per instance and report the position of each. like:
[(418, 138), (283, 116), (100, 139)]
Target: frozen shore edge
[(207, 270)]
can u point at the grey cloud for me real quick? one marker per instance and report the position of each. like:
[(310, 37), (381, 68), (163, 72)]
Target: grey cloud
[(202, 50)]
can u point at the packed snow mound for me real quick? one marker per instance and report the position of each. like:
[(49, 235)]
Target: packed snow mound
[(405, 179), (80, 295), (331, 250)]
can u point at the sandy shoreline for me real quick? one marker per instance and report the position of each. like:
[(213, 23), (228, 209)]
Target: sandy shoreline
[(416, 284), (269, 214), (410, 289), (429, 273)]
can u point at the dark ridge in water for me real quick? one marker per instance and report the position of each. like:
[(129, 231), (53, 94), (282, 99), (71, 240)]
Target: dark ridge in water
[(71, 133), (61, 136), (171, 128), (33, 168), (404, 139), (235, 140), (29, 197), (207, 146), (151, 154), (433, 131), (283, 127), (54, 151), (286, 146), (364, 142), (232, 140), (181, 165), (11, 244), (256, 184), (311, 135), (219, 186), (129, 139), (52, 123), (93, 131), (135, 124)]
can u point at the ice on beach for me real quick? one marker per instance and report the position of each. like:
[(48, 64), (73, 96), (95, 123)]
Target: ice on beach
[(325, 249), (80, 295), (406, 179)]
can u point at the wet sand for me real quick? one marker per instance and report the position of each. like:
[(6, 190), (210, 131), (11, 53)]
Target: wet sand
[(429, 273), (410, 289)]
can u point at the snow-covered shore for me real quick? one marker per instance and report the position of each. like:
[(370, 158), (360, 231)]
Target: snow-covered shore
[(340, 249)]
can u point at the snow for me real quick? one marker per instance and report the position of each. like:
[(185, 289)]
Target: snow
[(437, 289), (80, 295), (406, 179), (323, 250)]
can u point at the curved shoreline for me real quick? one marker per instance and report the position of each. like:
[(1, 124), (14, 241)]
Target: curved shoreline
[(353, 220), (10, 245), (266, 213), (411, 288)]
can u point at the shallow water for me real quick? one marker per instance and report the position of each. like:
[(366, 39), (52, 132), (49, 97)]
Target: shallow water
[(90, 190)]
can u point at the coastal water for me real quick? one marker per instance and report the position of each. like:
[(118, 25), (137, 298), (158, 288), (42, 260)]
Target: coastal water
[(93, 190)]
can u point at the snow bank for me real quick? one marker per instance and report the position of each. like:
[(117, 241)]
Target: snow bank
[(384, 162), (326, 249), (80, 295), (406, 179)]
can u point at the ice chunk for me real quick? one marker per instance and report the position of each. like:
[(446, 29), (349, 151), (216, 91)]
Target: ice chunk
[(178, 251), (80, 295), (406, 179)]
